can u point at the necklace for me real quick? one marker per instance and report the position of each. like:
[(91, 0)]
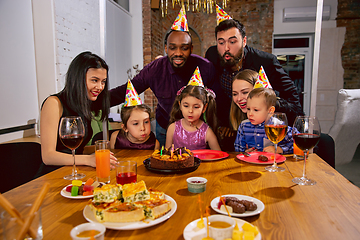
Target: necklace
[(192, 125)]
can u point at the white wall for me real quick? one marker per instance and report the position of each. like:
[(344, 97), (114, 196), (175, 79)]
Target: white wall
[(18, 99), (77, 30), (281, 27), (118, 43)]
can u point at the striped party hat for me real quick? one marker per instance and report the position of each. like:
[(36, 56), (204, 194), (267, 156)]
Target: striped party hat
[(196, 79), (131, 98), (262, 81), (180, 23), (221, 15)]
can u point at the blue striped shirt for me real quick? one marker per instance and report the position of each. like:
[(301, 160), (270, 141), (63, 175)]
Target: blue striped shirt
[(253, 136)]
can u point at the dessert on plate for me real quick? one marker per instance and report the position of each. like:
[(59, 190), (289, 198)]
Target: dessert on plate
[(172, 159)]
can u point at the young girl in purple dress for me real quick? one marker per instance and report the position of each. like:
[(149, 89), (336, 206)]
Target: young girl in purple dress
[(193, 106), (136, 130)]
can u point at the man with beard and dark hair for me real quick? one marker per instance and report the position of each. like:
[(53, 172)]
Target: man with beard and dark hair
[(231, 55), (166, 75)]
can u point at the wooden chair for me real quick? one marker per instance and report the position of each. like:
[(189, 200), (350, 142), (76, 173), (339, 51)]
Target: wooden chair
[(20, 162)]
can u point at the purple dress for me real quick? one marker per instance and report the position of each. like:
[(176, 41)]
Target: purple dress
[(191, 140), (123, 143)]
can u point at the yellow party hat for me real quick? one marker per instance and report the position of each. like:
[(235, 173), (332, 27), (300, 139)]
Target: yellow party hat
[(221, 15), (180, 23), (262, 81), (196, 79), (131, 98)]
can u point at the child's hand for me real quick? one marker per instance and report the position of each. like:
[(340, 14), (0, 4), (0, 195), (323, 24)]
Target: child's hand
[(250, 149), (271, 149), (113, 160)]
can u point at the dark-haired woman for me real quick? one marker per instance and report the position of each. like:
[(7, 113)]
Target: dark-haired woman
[(85, 91)]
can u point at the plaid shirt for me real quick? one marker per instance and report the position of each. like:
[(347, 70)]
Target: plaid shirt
[(226, 80), (254, 135)]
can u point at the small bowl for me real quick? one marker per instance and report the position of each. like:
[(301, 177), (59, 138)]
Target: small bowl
[(86, 227), (196, 184)]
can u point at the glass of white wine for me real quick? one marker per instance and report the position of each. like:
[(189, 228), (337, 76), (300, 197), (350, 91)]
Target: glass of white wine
[(275, 129)]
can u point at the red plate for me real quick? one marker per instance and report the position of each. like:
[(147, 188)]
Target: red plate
[(209, 155), (255, 155)]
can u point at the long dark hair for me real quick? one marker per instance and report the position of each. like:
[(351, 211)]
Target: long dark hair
[(75, 90), (202, 94)]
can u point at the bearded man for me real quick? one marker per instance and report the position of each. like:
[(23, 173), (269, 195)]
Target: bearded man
[(232, 55)]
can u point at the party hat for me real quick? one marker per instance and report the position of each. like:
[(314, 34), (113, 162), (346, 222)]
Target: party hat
[(221, 15), (180, 23), (131, 98), (196, 79), (262, 81)]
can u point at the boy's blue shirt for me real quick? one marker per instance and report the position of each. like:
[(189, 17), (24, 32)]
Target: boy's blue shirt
[(253, 136)]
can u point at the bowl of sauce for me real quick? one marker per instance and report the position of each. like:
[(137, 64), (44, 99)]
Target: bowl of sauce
[(87, 230), (221, 227), (196, 184)]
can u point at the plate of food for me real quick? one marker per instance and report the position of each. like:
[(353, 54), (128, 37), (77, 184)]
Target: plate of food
[(129, 206), (192, 232), (261, 158), (238, 205), (209, 155), (197, 162), (82, 192)]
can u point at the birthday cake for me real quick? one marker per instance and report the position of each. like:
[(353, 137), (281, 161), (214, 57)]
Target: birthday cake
[(172, 159)]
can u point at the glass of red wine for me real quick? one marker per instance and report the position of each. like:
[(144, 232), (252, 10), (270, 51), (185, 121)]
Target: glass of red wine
[(72, 132), (276, 129), (306, 134)]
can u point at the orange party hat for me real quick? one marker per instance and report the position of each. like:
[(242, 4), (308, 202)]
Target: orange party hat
[(180, 23), (196, 79), (262, 81), (221, 15), (131, 98)]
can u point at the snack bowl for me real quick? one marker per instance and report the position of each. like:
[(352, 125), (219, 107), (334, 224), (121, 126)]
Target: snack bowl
[(88, 227), (196, 184), (219, 231)]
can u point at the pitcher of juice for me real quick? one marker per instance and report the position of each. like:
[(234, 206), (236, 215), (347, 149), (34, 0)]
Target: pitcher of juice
[(102, 156)]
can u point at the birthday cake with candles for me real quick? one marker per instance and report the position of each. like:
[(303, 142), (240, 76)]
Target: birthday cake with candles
[(172, 158)]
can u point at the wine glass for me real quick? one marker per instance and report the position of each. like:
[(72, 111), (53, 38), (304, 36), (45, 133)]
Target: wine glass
[(72, 132), (275, 129), (306, 134)]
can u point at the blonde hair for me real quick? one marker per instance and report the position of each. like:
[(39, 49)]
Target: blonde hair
[(268, 93), (236, 115)]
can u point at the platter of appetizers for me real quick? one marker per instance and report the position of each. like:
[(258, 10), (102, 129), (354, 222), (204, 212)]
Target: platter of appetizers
[(192, 231)]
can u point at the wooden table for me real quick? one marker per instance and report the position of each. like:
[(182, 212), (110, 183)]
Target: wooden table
[(328, 210)]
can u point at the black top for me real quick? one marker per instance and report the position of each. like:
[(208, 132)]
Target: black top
[(288, 98), (66, 113)]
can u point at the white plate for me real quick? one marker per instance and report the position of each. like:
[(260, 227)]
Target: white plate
[(192, 232), (89, 216), (260, 205), (66, 194)]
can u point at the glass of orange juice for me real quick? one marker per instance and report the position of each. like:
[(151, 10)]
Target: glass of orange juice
[(102, 156), (298, 154)]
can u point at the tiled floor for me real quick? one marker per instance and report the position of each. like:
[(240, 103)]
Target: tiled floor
[(352, 170)]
